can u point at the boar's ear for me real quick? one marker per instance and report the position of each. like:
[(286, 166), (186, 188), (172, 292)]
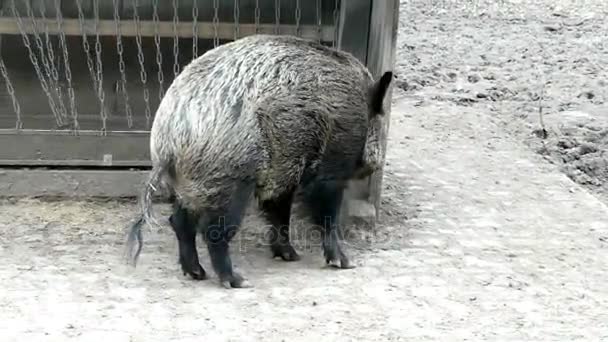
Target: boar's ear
[(378, 92)]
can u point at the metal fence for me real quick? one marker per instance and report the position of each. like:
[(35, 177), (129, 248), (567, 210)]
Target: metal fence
[(100, 68), (81, 79), (110, 36)]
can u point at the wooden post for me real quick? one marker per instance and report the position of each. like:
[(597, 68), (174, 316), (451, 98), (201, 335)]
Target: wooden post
[(382, 47), (365, 195)]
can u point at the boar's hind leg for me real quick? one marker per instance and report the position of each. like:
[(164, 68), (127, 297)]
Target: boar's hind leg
[(278, 211), (324, 199), (184, 223), (222, 226)]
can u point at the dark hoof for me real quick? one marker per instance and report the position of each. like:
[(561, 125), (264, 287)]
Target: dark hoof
[(197, 273), (334, 256), (342, 263), (286, 252), (234, 281)]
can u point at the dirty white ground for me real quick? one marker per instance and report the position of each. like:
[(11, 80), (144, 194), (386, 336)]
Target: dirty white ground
[(481, 237)]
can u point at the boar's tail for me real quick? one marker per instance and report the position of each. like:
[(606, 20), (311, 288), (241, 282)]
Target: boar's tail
[(145, 216)]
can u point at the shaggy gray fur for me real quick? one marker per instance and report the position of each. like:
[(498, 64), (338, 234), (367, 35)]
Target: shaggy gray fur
[(273, 111), (263, 108)]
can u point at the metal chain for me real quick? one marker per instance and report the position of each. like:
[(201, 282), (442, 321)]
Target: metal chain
[(257, 15), (277, 16), (194, 29), (237, 14), (45, 62), (298, 18), (121, 65), (159, 56), (11, 91), (140, 57), (336, 22), (100, 92), (319, 21), (216, 22), (51, 56), (87, 50), (175, 39), (38, 40), (34, 60), (68, 71)]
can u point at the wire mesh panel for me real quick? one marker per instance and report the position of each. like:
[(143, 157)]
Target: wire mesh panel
[(97, 67)]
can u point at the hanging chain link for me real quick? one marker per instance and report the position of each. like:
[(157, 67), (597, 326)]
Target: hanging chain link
[(100, 91), (159, 56), (86, 46), (34, 60), (140, 57), (175, 40), (336, 23), (47, 68), (257, 14), (194, 29), (11, 91), (319, 21), (38, 40), (97, 81), (121, 65), (237, 14), (277, 16), (68, 71), (216, 22), (51, 61), (298, 18)]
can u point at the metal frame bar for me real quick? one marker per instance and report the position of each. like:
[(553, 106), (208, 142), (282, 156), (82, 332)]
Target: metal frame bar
[(127, 28)]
